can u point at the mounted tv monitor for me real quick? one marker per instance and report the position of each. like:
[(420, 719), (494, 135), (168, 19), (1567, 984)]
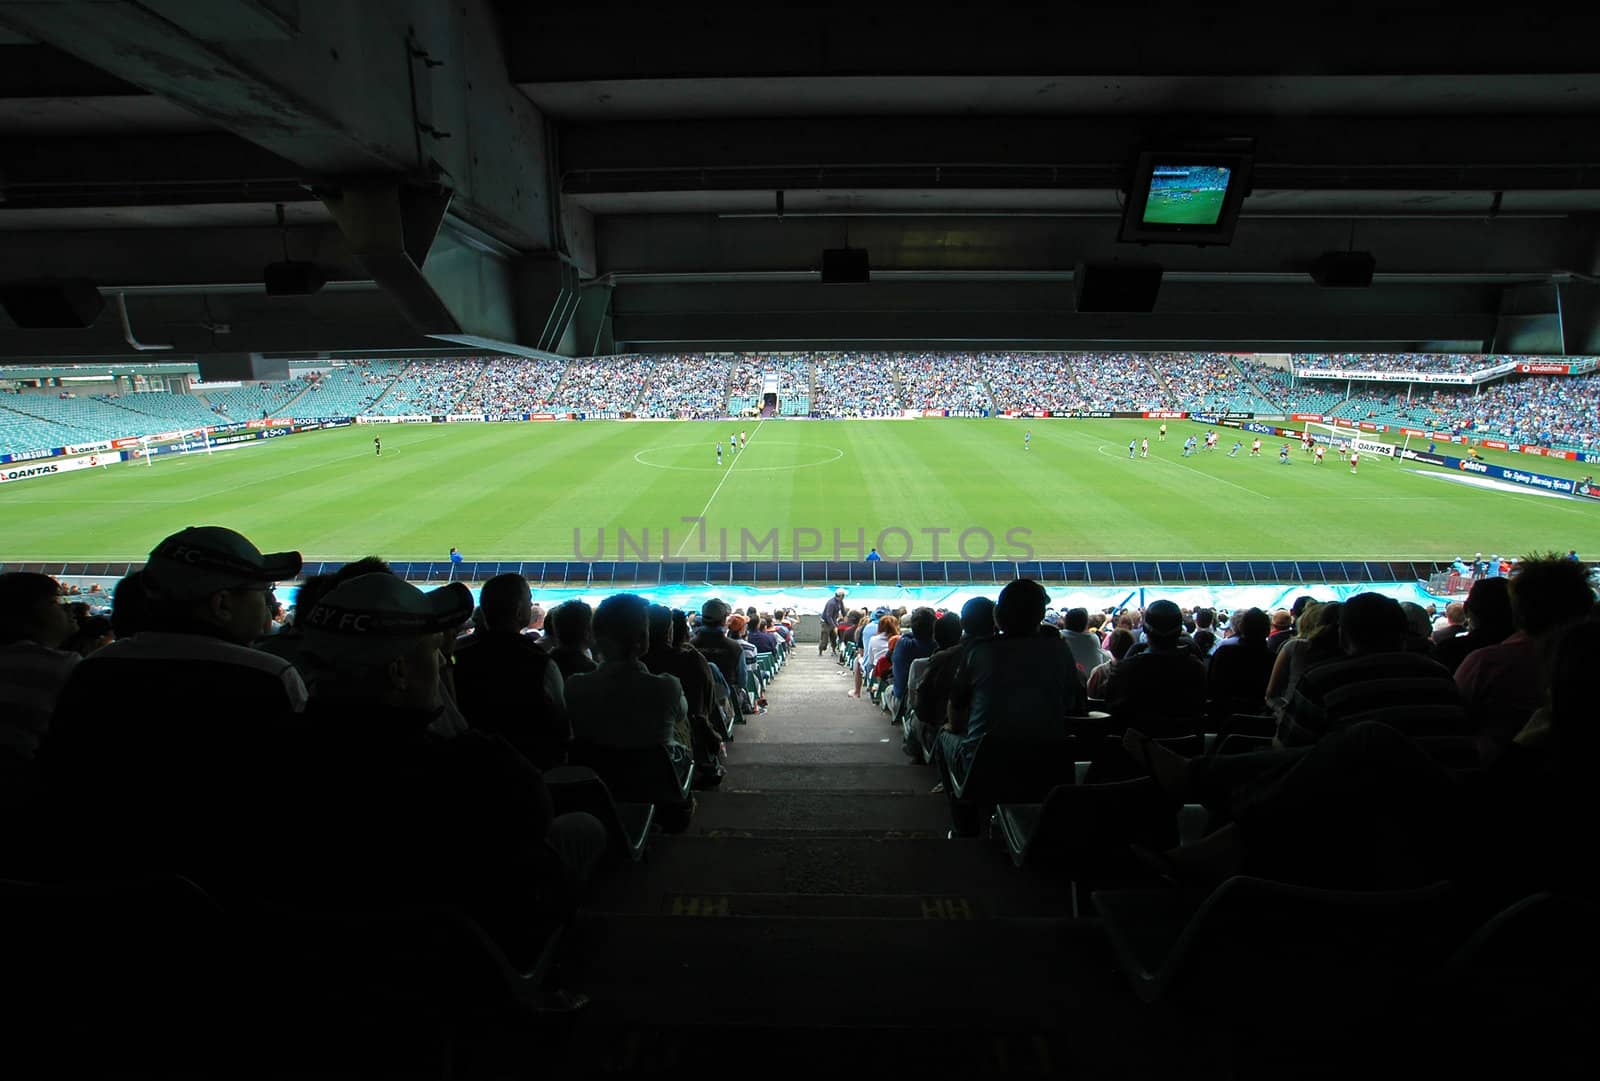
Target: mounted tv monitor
[(1185, 197)]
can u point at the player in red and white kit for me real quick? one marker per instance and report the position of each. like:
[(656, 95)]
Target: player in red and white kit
[(1355, 458), (1255, 448), (1319, 452)]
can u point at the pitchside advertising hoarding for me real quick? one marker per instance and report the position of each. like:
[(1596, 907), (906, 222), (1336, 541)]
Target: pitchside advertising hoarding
[(1542, 481), (55, 466)]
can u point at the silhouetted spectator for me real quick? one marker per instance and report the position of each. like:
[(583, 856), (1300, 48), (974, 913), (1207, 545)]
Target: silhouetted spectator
[(572, 624), (1162, 690), (622, 703), (1236, 678), (34, 626), (388, 814), (505, 684), (157, 744), (1488, 611)]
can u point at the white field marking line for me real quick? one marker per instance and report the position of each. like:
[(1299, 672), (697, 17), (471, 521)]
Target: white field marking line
[(731, 466), (837, 454), (1202, 472)]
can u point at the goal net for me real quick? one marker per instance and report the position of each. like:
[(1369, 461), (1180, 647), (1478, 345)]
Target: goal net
[(1367, 443)]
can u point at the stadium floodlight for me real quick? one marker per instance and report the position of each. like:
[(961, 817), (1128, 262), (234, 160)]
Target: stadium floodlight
[(1187, 192)]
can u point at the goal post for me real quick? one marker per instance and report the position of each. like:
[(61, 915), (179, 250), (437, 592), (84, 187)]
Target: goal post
[(1368, 443)]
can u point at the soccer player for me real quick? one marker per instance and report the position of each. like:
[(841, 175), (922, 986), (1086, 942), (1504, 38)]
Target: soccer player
[(719, 453), (1133, 445), (733, 445), (1344, 450), (1161, 437), (1027, 437), (1188, 446), (743, 440), (1144, 448), (1283, 454), (1211, 440), (377, 446), (1255, 447), (1355, 458), (1318, 454), (1234, 453)]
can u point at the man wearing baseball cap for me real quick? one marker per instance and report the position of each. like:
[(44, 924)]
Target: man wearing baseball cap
[(1162, 689), (387, 811), (156, 741)]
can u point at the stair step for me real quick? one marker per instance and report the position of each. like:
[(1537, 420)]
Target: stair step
[(854, 778), (861, 814), (822, 971)]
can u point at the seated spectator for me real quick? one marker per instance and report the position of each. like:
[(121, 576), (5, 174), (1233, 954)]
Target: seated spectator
[(622, 703), (34, 625), (386, 813), (92, 634), (713, 643), (156, 746), (1501, 684), (571, 638), (1489, 622), (1418, 628), (928, 684), (130, 606), (1121, 642), (873, 650), (1021, 684), (1452, 624), (1163, 689), (1375, 680), (916, 645), (1315, 640), (1236, 678), (1085, 647), (505, 684), (1282, 628), (703, 724)]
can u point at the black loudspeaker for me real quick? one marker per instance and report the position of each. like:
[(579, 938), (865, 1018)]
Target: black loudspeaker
[(1115, 288), (293, 279), (845, 266), (72, 304), (1347, 269)]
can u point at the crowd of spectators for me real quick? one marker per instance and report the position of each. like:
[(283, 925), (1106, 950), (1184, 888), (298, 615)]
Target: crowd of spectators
[(957, 382), (600, 385), (430, 387), (433, 722), (512, 385), (1031, 382), (855, 385), (1118, 382), (1393, 745), (1208, 383), (1548, 410), (687, 387)]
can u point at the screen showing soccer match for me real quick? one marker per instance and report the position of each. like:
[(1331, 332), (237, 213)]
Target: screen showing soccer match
[(1186, 194)]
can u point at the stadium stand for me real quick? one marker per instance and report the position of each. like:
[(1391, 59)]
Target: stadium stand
[(855, 385), (748, 382), (1310, 363), (429, 386), (346, 390), (512, 385), (1208, 383), (689, 387), (941, 381), (600, 385), (252, 401)]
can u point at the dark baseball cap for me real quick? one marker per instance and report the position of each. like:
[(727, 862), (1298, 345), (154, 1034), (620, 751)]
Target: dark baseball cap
[(201, 560)]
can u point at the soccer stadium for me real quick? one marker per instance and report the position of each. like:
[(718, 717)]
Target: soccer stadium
[(532, 545)]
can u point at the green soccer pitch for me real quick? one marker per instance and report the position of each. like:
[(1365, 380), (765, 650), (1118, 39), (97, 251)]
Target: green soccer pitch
[(1202, 207), (547, 490)]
